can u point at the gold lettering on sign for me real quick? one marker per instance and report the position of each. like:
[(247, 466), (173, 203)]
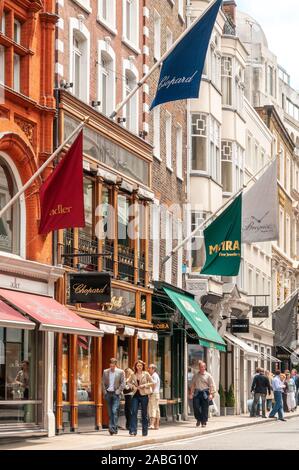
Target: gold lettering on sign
[(85, 290), (60, 210)]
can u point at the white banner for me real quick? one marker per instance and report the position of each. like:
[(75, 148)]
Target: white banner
[(260, 209)]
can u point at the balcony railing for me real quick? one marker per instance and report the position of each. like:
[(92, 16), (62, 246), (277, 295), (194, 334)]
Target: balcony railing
[(126, 263), (142, 269), (68, 247), (108, 262), (88, 245)]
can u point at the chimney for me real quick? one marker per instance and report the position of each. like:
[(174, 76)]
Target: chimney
[(229, 9)]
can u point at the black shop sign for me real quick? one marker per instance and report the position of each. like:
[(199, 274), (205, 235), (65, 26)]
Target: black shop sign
[(90, 288), (260, 312), (239, 325)]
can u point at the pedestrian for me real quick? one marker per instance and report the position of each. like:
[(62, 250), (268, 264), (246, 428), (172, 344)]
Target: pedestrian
[(202, 391), (296, 380), (285, 392), (113, 385), (291, 392), (141, 383), (260, 387), (270, 396), (154, 398), (128, 393), (277, 386)]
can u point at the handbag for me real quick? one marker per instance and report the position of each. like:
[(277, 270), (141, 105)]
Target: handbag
[(127, 390)]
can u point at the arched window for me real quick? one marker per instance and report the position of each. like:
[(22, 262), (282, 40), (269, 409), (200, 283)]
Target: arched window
[(10, 222), (131, 108), (106, 78), (79, 59)]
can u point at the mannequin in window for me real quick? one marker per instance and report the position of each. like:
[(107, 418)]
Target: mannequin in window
[(22, 379)]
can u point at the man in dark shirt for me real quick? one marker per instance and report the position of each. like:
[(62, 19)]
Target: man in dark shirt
[(260, 386)]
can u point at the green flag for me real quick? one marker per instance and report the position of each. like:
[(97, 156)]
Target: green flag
[(223, 242)]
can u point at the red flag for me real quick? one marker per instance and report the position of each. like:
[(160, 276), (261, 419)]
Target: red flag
[(61, 195)]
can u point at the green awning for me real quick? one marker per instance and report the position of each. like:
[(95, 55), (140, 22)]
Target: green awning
[(208, 335)]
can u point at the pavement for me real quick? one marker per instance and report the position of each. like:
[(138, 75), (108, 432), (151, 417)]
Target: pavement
[(274, 436), (168, 432)]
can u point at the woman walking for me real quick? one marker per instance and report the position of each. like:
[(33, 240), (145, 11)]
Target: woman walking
[(153, 406), (291, 391), (141, 383), (128, 393), (284, 393)]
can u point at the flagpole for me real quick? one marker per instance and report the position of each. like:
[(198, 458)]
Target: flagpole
[(158, 63), (200, 226), (42, 168)]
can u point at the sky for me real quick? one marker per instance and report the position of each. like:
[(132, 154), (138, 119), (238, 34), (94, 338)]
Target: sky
[(280, 22)]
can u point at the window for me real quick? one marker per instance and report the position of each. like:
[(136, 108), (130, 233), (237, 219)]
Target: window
[(155, 208), (157, 35), (156, 131), (226, 166), (215, 62), (169, 38), (168, 247), (199, 142), (17, 31), (180, 255), (239, 167), (281, 228), (168, 140), (226, 80), (131, 21), (270, 80), (249, 151), (181, 8), (107, 12), (197, 245), (288, 236), (214, 157), (106, 78), (2, 66), (131, 108), (179, 151), (2, 22), (288, 175), (17, 72), (10, 222), (239, 86), (281, 166), (84, 368), (79, 59)]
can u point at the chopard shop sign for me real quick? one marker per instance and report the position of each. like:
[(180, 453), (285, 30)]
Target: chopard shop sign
[(90, 288)]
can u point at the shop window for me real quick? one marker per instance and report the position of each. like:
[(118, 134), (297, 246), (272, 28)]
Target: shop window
[(123, 352), (10, 222), (122, 303), (84, 369), (18, 375), (65, 368)]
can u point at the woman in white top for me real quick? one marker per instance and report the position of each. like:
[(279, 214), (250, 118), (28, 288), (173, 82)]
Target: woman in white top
[(153, 405)]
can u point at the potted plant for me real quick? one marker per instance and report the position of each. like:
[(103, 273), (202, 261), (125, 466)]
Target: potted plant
[(230, 401), (222, 400)]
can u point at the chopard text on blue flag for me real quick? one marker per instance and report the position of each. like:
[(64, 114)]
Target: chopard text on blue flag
[(182, 70)]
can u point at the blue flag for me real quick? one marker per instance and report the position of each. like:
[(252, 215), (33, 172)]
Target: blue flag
[(182, 70)]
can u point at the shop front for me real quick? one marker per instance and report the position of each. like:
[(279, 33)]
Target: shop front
[(179, 349), (29, 319)]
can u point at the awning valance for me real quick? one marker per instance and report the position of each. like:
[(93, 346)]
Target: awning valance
[(235, 341), (207, 334), (108, 329), (147, 334), (10, 318), (129, 331), (49, 314)]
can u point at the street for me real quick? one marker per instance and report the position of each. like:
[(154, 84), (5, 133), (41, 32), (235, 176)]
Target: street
[(270, 436)]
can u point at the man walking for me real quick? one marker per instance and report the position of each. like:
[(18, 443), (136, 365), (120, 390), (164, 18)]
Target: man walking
[(278, 387), (202, 391), (260, 386), (113, 385)]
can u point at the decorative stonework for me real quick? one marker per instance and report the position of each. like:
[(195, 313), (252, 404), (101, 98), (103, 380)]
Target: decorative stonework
[(4, 113), (27, 127)]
